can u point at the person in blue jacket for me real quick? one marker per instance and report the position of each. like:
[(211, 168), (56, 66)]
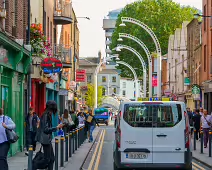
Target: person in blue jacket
[(5, 122)]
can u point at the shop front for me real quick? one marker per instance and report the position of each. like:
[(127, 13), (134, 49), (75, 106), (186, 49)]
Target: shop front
[(14, 63), (63, 95), (190, 101)]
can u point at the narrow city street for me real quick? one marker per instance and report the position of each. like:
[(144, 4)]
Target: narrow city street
[(106, 151)]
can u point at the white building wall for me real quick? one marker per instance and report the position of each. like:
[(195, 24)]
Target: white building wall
[(177, 60), (128, 86)]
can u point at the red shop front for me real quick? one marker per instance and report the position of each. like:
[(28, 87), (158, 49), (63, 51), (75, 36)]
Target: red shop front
[(38, 100)]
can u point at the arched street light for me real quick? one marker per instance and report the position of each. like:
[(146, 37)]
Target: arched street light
[(135, 77), (149, 57), (120, 46), (157, 44)]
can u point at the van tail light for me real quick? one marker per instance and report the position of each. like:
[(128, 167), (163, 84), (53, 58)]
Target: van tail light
[(120, 114), (187, 131), (118, 137)]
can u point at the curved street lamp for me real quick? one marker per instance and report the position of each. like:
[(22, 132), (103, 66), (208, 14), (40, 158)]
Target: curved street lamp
[(120, 46), (135, 77), (157, 44), (149, 57)]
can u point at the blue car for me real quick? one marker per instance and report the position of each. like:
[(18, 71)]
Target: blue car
[(102, 115)]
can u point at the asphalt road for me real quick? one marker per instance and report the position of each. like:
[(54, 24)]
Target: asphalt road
[(106, 158)]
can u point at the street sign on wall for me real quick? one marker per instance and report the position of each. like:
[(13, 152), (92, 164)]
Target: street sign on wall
[(80, 75), (154, 81)]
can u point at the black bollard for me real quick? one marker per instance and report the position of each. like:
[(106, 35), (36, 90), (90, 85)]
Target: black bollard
[(56, 153), (78, 143), (70, 144), (210, 137), (195, 133), (66, 148), (73, 143), (76, 137), (201, 143), (30, 157), (62, 151)]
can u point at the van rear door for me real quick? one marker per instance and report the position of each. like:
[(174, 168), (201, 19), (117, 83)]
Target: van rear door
[(168, 133), (136, 134)]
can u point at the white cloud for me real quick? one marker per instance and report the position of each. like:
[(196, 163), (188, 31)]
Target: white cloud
[(91, 33)]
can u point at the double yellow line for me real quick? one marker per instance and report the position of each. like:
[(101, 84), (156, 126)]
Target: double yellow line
[(196, 166), (97, 155)]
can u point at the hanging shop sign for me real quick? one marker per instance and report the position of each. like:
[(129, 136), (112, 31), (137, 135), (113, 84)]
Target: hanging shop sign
[(154, 81), (196, 91), (187, 81), (51, 65)]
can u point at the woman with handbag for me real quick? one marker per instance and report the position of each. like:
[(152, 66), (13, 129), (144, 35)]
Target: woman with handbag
[(5, 123), (44, 134)]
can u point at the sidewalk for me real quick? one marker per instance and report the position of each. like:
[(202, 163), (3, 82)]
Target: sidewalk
[(20, 160), (201, 157)]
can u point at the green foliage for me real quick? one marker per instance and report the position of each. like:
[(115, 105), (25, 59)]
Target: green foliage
[(90, 96), (162, 16)]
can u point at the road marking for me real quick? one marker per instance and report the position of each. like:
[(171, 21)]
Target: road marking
[(99, 153), (198, 166), (95, 152)]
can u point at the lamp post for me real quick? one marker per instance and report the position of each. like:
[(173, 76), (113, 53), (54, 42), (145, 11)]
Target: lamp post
[(157, 44), (74, 65), (149, 57), (96, 79), (120, 46), (135, 77)]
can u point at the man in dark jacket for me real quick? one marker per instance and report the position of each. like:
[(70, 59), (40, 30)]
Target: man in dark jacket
[(45, 133), (31, 123)]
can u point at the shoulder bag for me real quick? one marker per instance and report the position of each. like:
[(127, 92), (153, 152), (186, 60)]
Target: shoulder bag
[(12, 137), (39, 161)]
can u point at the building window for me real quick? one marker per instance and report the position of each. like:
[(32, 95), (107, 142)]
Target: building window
[(48, 27), (134, 85), (114, 79), (114, 90), (124, 84), (204, 18), (205, 54), (103, 91), (123, 93), (51, 27), (104, 79), (89, 78)]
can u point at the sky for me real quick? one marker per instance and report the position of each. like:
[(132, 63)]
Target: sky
[(92, 36)]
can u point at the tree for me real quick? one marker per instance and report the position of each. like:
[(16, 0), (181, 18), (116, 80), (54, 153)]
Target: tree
[(162, 16), (89, 97)]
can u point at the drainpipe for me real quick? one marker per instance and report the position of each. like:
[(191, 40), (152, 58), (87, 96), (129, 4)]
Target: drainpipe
[(29, 83), (4, 7)]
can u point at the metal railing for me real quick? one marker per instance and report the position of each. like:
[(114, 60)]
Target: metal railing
[(62, 8), (63, 52)]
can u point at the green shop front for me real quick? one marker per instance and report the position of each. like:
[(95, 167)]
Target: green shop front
[(14, 62)]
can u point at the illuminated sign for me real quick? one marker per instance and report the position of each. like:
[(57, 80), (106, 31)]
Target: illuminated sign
[(51, 65)]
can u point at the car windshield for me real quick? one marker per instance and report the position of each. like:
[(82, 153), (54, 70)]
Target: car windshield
[(152, 115)]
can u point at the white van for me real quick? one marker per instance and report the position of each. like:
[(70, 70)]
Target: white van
[(152, 135)]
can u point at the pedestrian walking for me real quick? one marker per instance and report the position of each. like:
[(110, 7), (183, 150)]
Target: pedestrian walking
[(190, 115), (197, 120), (81, 118), (201, 111), (91, 120), (44, 135), (67, 121), (32, 122), (5, 122), (206, 123), (75, 119)]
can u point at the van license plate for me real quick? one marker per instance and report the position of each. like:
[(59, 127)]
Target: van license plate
[(100, 119), (136, 155)]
